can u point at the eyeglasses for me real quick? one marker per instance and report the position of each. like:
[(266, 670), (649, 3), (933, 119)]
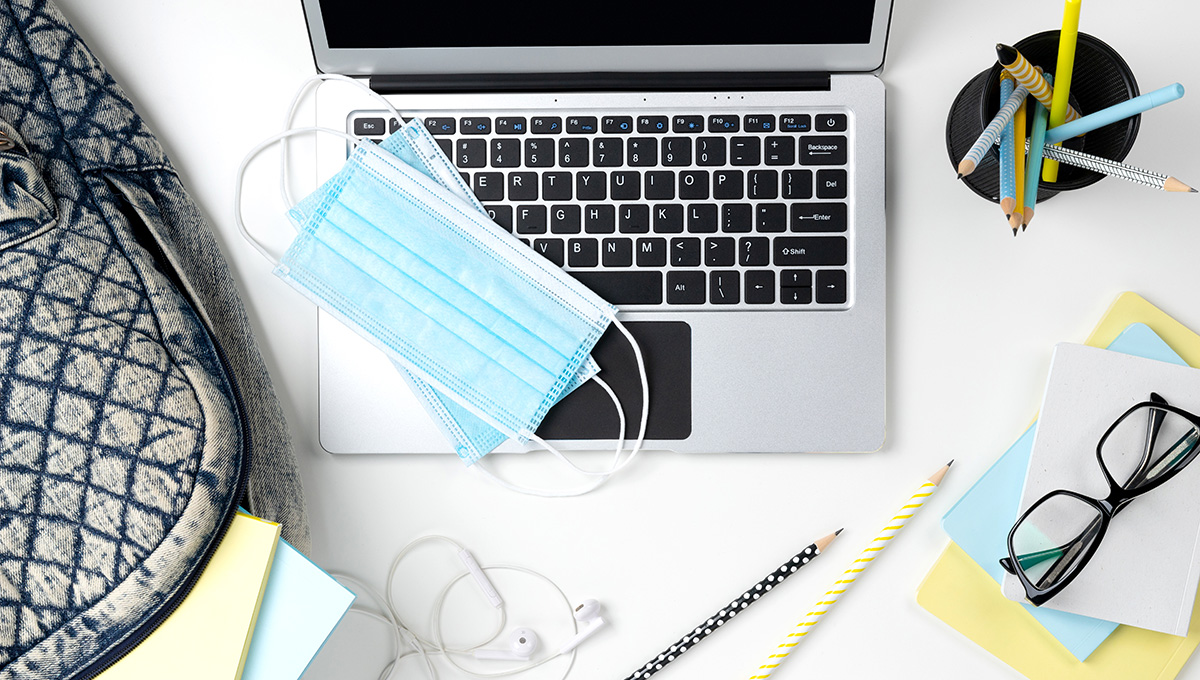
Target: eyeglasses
[(1056, 537)]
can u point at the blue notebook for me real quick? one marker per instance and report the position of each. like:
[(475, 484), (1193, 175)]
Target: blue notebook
[(980, 521)]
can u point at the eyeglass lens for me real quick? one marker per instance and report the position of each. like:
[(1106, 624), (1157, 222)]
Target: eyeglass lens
[(1147, 444), (1054, 537)]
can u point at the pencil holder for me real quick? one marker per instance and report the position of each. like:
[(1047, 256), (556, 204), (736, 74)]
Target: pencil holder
[(1100, 78)]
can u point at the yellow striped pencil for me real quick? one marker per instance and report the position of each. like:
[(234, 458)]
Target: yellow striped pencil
[(1025, 73), (850, 575)]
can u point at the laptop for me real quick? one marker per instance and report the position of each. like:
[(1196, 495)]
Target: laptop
[(719, 177)]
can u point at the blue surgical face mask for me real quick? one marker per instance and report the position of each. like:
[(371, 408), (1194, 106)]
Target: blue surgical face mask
[(471, 436), (489, 334)]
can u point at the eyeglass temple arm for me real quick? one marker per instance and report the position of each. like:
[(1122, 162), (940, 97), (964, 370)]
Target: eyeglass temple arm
[(1027, 560), (1153, 425)]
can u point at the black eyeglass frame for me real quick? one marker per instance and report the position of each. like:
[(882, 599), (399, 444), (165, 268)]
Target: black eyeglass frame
[(1118, 497)]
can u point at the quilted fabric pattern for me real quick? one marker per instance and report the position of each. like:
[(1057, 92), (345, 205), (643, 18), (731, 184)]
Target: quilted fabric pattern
[(121, 446)]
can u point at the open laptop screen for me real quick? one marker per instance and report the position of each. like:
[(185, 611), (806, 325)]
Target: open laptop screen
[(370, 24)]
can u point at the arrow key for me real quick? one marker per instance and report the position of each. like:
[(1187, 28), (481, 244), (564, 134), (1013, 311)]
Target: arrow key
[(760, 287), (831, 286)]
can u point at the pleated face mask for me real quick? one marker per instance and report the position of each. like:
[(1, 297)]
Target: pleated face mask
[(489, 334)]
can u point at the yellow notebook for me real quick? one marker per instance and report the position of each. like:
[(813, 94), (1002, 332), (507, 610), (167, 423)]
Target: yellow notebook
[(207, 637), (961, 593)]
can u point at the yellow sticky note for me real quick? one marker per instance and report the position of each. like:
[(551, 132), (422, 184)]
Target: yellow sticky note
[(961, 593), (207, 637)]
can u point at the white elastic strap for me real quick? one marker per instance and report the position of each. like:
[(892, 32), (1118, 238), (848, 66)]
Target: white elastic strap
[(617, 465), (241, 174), (285, 189)]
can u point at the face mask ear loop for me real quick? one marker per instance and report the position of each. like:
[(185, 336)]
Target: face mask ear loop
[(285, 189), (241, 174), (602, 476)]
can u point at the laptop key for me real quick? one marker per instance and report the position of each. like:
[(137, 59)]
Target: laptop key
[(556, 186), (724, 287), (771, 217), (573, 153), (685, 288), (616, 125), (668, 219), (795, 296), (506, 153), (446, 145), (471, 153), (831, 184), (779, 150), (599, 219), (652, 124), (809, 250), (660, 185), (688, 124), (652, 252), (831, 286), (762, 184), (755, 251), (823, 150), (797, 184), (581, 125), (441, 126), (719, 123), (693, 185), (795, 278), (591, 186), (550, 248), (710, 151), (625, 287), (531, 219), (685, 252), (643, 151), (760, 287), (475, 126), (501, 215), (539, 153), (369, 126), (633, 219), (702, 218), (719, 252), (564, 219), (737, 217), (488, 186), (626, 185), (511, 126), (758, 122), (831, 122), (546, 125), (617, 252), (795, 123), (676, 151), (744, 151), (728, 184), (608, 152), (818, 217), (583, 252), (522, 186)]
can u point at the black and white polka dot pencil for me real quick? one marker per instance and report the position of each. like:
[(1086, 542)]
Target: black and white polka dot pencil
[(732, 609)]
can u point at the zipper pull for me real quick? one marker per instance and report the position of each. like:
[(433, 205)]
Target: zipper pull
[(5, 142)]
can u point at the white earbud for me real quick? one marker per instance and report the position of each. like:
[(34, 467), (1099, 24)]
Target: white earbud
[(522, 644), (588, 614)]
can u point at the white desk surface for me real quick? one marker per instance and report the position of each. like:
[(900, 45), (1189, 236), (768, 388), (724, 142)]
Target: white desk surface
[(973, 314)]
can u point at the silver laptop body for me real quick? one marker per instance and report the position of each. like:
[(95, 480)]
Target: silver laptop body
[(800, 369)]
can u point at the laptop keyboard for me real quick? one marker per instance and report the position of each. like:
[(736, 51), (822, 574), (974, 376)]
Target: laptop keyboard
[(715, 211)]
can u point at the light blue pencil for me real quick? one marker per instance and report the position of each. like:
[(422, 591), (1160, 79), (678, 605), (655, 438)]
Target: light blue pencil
[(992, 132), (1037, 142), (1114, 113), (1008, 173)]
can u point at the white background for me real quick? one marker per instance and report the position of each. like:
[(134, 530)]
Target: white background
[(973, 315)]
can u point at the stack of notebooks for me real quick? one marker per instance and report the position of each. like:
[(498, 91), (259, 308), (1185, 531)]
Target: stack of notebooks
[(259, 611), (1115, 620)]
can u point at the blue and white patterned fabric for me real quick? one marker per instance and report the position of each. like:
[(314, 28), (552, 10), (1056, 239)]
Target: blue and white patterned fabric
[(127, 437)]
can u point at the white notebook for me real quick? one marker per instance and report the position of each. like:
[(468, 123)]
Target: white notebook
[(1146, 570)]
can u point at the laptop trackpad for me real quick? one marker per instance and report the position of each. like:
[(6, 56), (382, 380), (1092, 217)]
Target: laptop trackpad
[(588, 412)]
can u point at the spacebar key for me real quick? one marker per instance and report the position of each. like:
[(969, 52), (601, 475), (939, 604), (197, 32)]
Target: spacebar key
[(624, 287)]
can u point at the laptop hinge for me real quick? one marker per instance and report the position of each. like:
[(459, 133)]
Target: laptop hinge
[(690, 81)]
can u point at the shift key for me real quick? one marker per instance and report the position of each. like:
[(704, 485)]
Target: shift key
[(807, 251), (822, 150)]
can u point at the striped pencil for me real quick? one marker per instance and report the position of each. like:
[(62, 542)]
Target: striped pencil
[(1030, 76), (850, 575), (1106, 166), (1008, 171), (739, 604), (992, 132), (1018, 214)]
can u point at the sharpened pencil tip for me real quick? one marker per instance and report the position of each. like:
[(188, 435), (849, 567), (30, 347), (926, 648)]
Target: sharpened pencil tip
[(950, 463), (1192, 191), (839, 531), (960, 175)]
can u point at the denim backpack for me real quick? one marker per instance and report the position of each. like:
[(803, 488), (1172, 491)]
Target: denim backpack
[(136, 413)]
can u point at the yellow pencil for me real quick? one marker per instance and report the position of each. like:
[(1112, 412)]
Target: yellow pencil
[(1018, 213), (1062, 77), (848, 577)]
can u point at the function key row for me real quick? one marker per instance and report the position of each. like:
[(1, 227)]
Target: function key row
[(587, 125)]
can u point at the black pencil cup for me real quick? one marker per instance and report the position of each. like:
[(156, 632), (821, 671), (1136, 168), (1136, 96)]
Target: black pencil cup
[(1100, 78)]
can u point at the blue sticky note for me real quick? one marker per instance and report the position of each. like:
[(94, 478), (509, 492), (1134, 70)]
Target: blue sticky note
[(300, 608), (980, 521)]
